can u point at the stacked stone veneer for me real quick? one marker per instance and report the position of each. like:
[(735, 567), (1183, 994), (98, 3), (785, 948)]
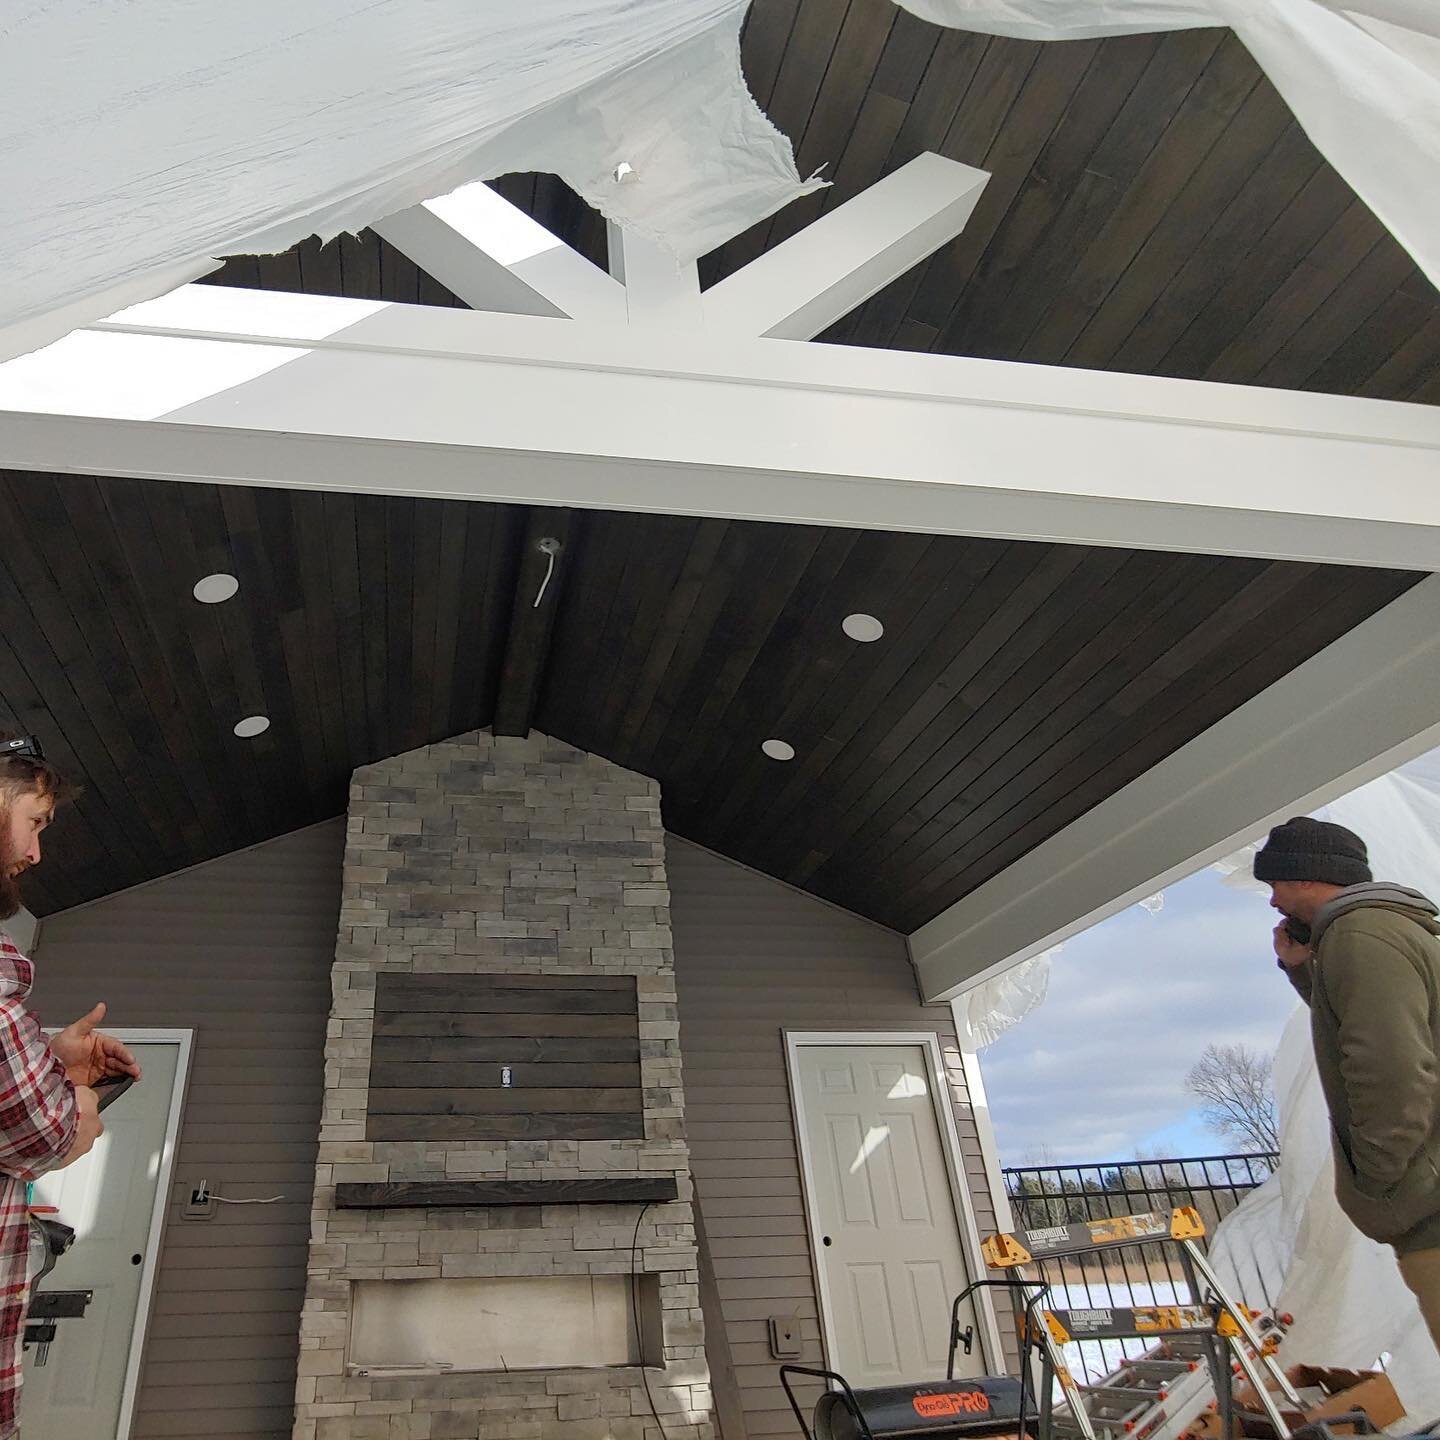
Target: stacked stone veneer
[(485, 855)]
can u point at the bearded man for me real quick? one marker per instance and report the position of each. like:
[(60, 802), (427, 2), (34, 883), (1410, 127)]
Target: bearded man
[(49, 1112), (1365, 957)]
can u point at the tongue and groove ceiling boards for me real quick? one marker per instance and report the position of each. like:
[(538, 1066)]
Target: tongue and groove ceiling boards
[(1016, 685), (1152, 207)]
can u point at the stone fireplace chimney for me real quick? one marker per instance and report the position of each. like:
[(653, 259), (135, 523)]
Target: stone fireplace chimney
[(476, 1223)]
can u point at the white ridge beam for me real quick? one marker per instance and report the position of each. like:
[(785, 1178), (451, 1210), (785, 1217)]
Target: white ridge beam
[(839, 261), (1365, 704), (496, 257), (396, 399)]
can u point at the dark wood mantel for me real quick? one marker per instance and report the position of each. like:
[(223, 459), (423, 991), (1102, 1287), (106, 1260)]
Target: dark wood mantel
[(473, 1194)]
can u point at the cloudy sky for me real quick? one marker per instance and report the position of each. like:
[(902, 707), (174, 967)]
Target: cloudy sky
[(1097, 1072)]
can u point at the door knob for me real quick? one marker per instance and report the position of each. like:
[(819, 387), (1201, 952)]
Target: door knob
[(825, 1240)]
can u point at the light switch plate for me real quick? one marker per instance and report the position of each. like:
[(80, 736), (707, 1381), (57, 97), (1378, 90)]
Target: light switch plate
[(785, 1337)]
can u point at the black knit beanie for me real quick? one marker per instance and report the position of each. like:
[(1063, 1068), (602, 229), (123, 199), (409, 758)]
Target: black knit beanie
[(1305, 849)]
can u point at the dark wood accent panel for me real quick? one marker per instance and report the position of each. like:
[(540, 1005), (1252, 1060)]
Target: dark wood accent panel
[(459, 994), (577, 1126), (478, 1194), (514, 1080), (552, 1031), (524, 1076), (551, 1051), (447, 1097)]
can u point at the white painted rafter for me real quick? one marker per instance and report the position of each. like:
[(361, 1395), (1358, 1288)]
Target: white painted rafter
[(836, 263), (415, 400), (661, 292), (496, 257), (1365, 704)]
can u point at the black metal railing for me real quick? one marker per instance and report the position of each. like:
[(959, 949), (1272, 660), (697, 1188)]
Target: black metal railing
[(1047, 1195)]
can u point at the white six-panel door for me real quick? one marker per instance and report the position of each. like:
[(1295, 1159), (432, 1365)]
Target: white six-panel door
[(109, 1197), (888, 1241)]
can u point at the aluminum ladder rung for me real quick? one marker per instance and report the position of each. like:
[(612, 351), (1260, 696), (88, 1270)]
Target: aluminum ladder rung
[(1158, 1369), (1145, 1394)]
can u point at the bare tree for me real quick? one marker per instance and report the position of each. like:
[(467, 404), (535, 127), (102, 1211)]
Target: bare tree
[(1237, 1098)]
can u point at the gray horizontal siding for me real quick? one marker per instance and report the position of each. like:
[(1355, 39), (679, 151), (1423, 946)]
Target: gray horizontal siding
[(240, 951), (752, 958)]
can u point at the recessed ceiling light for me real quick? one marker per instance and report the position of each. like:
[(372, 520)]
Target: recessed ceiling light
[(251, 726), (778, 750), (863, 628), (214, 589)]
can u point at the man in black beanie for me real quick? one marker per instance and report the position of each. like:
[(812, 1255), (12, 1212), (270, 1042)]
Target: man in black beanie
[(1365, 957)]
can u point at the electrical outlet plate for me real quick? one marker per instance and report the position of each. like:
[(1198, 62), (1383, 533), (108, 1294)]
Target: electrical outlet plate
[(197, 1209), (785, 1341)]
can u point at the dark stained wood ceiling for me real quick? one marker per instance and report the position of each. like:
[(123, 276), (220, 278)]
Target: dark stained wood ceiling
[(1015, 686), (1153, 207)]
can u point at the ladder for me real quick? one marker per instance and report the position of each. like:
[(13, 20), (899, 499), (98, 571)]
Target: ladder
[(1144, 1399), (1155, 1397)]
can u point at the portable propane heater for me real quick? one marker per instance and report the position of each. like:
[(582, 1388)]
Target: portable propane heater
[(948, 1409)]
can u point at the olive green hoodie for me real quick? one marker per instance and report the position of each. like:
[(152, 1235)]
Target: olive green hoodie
[(1373, 987)]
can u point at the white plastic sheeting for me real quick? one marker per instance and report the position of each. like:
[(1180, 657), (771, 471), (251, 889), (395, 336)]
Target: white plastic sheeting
[(1345, 1291), (984, 1012), (1362, 76), (139, 140), (1398, 817)]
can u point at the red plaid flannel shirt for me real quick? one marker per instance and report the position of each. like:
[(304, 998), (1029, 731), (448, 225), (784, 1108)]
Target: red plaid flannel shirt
[(38, 1118)]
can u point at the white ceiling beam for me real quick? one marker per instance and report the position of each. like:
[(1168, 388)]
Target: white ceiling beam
[(661, 292), (1365, 704), (292, 390), (496, 257), (839, 261)]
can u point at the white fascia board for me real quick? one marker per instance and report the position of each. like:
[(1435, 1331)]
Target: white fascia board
[(839, 261), (496, 257), (1365, 704), (422, 401)]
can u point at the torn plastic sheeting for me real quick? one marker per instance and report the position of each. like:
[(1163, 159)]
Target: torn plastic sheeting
[(1398, 817), (986, 1011), (237, 130), (1362, 78), (1290, 1240)]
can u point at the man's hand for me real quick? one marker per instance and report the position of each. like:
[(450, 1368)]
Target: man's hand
[(90, 1128), (1290, 953), (89, 1056)]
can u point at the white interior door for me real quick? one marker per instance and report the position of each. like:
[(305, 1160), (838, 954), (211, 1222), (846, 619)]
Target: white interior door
[(881, 1212), (109, 1198)]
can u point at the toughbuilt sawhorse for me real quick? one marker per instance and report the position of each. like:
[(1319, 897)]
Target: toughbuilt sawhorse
[(1155, 1398)]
